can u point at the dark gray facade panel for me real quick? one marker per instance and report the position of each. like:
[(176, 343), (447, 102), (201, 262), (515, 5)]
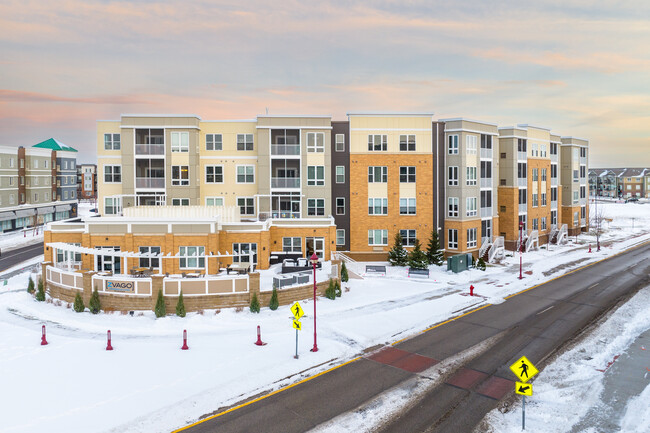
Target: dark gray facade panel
[(341, 189), (438, 149)]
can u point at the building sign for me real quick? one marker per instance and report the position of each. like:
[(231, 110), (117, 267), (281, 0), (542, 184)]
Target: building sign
[(120, 286)]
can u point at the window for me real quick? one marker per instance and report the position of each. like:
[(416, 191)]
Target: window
[(452, 239), (522, 170), (377, 143), (583, 152), (521, 145), (191, 257), (377, 237), (112, 173), (503, 155), (471, 238), (553, 148), (11, 163), (22, 163), (340, 174), (244, 141), (35, 181), (340, 205), (408, 237), (316, 175), (111, 142), (112, 205), (315, 142), (486, 142), (213, 174), (214, 201), (453, 176), (533, 151), (486, 199), (180, 175), (553, 171), (553, 194), (535, 224), (339, 142), (65, 195), (543, 223), (213, 142), (452, 210), (45, 163), (180, 202), (149, 262), (583, 191), (35, 163), (470, 144), (543, 199), (535, 174), (452, 143), (340, 237), (47, 196), (575, 197), (377, 206), (246, 205), (583, 171), (245, 174), (575, 175), (523, 220), (543, 175), (377, 174), (471, 176), (35, 197), (523, 196), (292, 245), (470, 205), (180, 141), (407, 206), (542, 151), (583, 212), (407, 143), (407, 174), (535, 200), (62, 255), (315, 207), (11, 180), (486, 170)]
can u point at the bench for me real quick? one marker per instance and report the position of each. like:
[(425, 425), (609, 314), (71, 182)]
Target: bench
[(376, 269), (423, 272)]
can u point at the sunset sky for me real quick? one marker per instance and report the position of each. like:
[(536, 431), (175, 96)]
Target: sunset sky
[(579, 67)]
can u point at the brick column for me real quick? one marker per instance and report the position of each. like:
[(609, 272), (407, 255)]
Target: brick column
[(88, 286), (254, 285)]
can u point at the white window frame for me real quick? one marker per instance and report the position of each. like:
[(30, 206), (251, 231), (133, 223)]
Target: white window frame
[(471, 143), (214, 201), (246, 205), (243, 143), (452, 239), (340, 237), (318, 206), (115, 205), (407, 177), (383, 174), (409, 141), (214, 144), (339, 144), (410, 204), (338, 206), (316, 175), (245, 171), (180, 202), (340, 174), (374, 145), (453, 207), (378, 237), (292, 244), (191, 257), (214, 173), (471, 238), (409, 237), (243, 257), (470, 176), (182, 139), (452, 144), (452, 175), (471, 208), (180, 181), (112, 173), (380, 203), (110, 143), (313, 144)]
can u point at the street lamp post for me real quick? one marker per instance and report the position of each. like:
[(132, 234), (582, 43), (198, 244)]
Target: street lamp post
[(521, 246), (597, 219), (314, 259)]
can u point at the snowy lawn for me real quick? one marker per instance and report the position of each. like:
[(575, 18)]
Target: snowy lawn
[(147, 384)]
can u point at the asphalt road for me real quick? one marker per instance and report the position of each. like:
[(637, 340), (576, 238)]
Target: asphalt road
[(16, 256), (532, 323)]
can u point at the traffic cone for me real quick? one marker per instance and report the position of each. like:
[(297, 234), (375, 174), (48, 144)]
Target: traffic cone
[(109, 346), (185, 346), (43, 339), (259, 341)]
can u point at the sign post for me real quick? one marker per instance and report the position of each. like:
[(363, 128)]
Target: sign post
[(297, 312), (524, 370)]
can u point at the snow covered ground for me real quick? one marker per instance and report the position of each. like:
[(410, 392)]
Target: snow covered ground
[(147, 384)]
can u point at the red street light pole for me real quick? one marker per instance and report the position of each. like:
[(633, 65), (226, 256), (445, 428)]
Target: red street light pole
[(521, 245), (314, 259)]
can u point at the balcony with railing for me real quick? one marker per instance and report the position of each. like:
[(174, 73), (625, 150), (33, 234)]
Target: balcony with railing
[(285, 173), (583, 222), (486, 153), (554, 181), (554, 157), (285, 182), (486, 212), (285, 149), (150, 182), (150, 149), (553, 204), (522, 156), (522, 181), (523, 208), (486, 182)]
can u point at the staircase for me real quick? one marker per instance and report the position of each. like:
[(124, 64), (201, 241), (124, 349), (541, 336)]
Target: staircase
[(497, 250), (532, 241), (352, 265), (562, 235), (486, 243)]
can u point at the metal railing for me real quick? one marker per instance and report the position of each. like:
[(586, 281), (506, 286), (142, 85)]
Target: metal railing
[(149, 149), (486, 153), (522, 156), (285, 149), (523, 207), (497, 249), (486, 243), (533, 240), (486, 182), (522, 181), (285, 182), (149, 182), (486, 212), (583, 222), (350, 264), (562, 235)]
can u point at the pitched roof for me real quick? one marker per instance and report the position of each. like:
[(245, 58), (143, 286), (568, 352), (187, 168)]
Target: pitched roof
[(54, 144)]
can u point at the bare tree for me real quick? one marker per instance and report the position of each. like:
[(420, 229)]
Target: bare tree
[(597, 219)]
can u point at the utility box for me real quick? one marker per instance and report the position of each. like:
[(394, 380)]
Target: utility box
[(459, 262)]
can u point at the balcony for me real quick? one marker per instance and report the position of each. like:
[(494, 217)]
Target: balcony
[(150, 182), (285, 182), (523, 208), (583, 222), (149, 149), (486, 182), (486, 153), (521, 156), (285, 214), (285, 149), (554, 181), (522, 181), (553, 204), (554, 158), (486, 212)]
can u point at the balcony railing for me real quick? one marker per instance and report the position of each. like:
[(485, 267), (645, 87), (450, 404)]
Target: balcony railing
[(285, 149), (553, 158), (522, 181), (521, 156), (284, 214), (523, 208), (486, 153), (583, 222), (285, 182), (553, 204), (486, 212), (486, 182), (149, 149), (554, 181), (149, 182)]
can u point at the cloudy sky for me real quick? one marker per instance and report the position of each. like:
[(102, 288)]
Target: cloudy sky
[(579, 67)]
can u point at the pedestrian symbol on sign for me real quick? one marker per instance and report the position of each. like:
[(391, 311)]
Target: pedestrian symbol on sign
[(524, 369), (297, 311)]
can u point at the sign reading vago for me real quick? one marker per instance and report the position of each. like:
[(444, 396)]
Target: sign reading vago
[(524, 369)]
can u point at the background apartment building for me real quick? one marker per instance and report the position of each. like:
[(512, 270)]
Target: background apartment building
[(87, 181), (573, 177)]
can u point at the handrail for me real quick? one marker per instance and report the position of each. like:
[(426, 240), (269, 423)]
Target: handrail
[(486, 243), (562, 234), (351, 264), (533, 239), (497, 248)]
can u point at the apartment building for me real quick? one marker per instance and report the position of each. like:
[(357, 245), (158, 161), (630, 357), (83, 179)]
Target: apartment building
[(575, 188), (472, 165), (28, 186), (87, 181), (634, 182)]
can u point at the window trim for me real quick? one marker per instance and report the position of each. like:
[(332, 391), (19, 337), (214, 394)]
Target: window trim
[(336, 171), (371, 239), (336, 202), (408, 206), (214, 174), (199, 257), (245, 142), (180, 181), (245, 168), (316, 181), (214, 141), (337, 142), (180, 148), (112, 174), (372, 143), (315, 148)]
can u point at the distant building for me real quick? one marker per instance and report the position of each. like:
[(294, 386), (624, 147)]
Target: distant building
[(620, 182), (30, 194), (87, 181)]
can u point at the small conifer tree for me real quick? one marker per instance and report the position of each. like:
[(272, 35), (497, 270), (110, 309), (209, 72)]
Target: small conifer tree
[(94, 306), (30, 285), (480, 264), (344, 273), (274, 303), (337, 288), (180, 306), (417, 257), (40, 295), (434, 252), (397, 255), (330, 293), (255, 304), (79, 306), (161, 309)]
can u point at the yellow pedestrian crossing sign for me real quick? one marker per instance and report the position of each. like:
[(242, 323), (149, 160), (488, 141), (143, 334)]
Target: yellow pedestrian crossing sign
[(297, 312), (524, 369), (524, 388), (297, 325)]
